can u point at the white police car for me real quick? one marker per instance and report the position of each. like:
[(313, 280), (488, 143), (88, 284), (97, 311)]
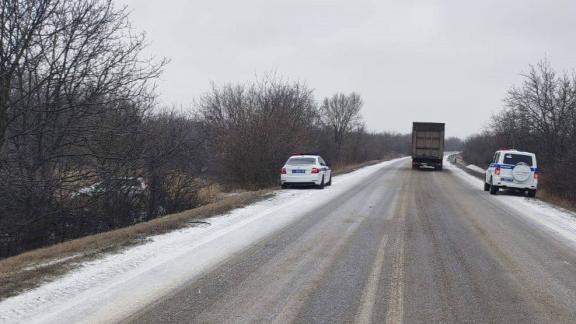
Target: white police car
[(512, 169), (306, 170)]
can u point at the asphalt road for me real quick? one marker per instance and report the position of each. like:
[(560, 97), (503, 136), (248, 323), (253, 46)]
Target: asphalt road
[(406, 246)]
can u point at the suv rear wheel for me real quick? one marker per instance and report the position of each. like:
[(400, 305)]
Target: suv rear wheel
[(486, 187), (493, 189), (532, 193)]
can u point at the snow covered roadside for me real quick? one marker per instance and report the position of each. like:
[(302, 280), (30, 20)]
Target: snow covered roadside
[(475, 168), (557, 220), (108, 289)]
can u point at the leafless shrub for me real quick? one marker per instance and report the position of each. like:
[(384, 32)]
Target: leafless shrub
[(254, 127), (173, 156)]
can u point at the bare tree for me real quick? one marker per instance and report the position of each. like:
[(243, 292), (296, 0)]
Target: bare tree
[(64, 66), (542, 106), (21, 23), (341, 114)]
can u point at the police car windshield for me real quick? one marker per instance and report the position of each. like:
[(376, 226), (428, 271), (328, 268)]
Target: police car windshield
[(517, 158), (301, 161)]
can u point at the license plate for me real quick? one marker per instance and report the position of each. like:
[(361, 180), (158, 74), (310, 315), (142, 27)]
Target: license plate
[(298, 171)]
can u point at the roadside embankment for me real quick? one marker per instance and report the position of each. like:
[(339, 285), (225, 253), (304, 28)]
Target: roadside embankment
[(30, 269)]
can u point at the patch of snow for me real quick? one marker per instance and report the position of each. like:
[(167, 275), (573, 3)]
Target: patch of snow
[(475, 168), (52, 262), (110, 288)]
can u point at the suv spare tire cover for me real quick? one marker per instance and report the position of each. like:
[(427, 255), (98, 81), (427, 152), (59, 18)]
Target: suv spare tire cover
[(521, 172)]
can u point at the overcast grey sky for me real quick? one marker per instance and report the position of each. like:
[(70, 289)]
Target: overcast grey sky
[(449, 61)]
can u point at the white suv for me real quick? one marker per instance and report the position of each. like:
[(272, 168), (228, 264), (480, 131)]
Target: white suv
[(302, 170), (511, 169)]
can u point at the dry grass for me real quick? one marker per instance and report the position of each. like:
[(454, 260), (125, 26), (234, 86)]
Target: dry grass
[(555, 199), (29, 269), (209, 194)]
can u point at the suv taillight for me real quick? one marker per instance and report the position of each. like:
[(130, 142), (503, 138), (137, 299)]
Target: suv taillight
[(497, 171), (283, 171), (536, 176), (315, 170)]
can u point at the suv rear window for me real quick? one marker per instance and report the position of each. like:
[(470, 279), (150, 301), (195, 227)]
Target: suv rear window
[(517, 158), (301, 161)]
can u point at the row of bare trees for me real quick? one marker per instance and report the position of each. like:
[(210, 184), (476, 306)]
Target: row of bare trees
[(75, 96), (539, 116), (84, 147), (254, 127)]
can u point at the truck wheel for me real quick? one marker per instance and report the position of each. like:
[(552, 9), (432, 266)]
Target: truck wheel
[(486, 187), (532, 193), (329, 183), (493, 189)]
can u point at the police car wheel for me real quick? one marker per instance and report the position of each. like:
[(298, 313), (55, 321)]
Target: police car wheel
[(321, 185), (493, 189)]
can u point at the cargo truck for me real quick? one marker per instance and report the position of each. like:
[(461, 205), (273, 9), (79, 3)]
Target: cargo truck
[(427, 145)]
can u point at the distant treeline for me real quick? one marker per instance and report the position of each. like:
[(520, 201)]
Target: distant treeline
[(84, 147), (540, 117)]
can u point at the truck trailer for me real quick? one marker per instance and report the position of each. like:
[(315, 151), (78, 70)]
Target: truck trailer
[(427, 145)]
